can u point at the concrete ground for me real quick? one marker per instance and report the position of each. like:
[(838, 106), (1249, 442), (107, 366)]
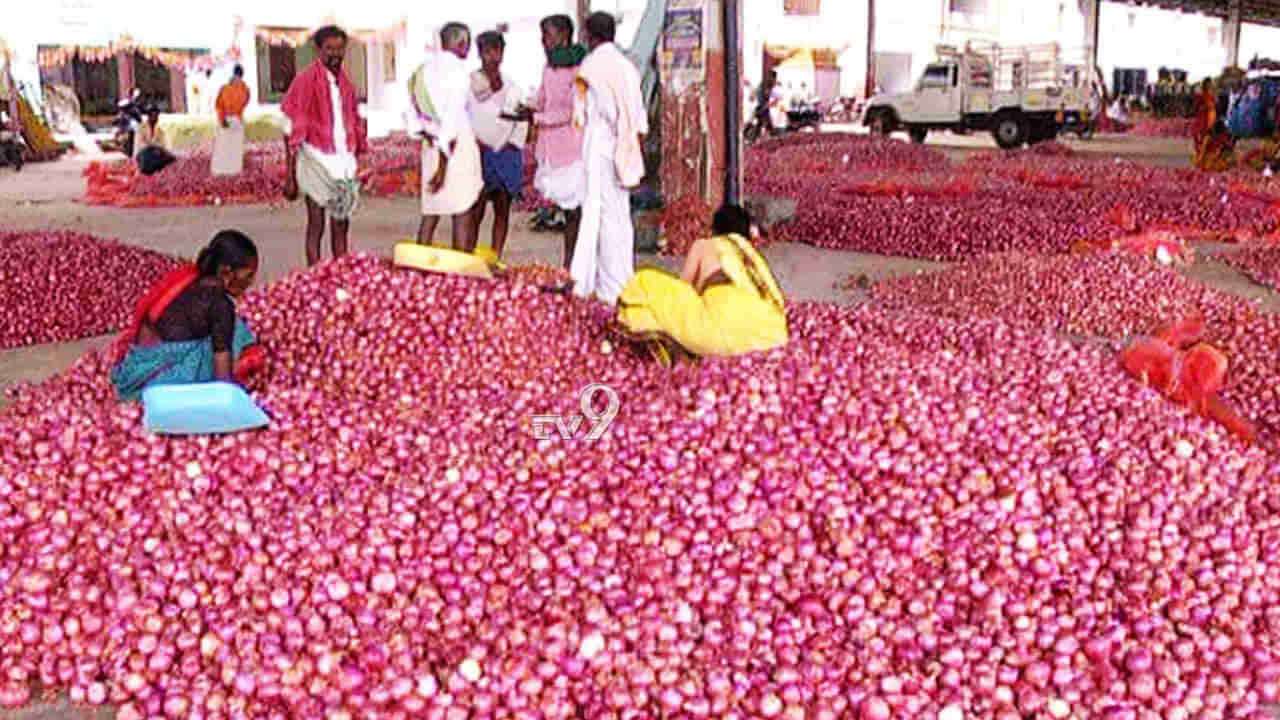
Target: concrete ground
[(46, 197)]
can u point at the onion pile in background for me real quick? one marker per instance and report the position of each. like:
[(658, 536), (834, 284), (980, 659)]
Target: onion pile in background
[(1111, 295), (390, 168), (897, 515), (882, 196), (1260, 262), (61, 286), (1163, 127)]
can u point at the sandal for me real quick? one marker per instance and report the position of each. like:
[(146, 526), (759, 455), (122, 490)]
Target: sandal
[(658, 350)]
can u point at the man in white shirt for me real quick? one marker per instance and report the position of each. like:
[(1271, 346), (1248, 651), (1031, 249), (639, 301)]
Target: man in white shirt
[(493, 98), (610, 107), (451, 175)]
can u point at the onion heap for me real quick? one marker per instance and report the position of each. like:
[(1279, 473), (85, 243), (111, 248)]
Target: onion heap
[(539, 273), (1104, 294), (684, 221), (61, 286), (886, 197), (390, 168), (530, 199), (1261, 262), (1163, 127), (896, 516)]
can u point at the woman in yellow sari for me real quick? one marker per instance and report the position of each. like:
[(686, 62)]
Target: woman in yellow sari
[(726, 301)]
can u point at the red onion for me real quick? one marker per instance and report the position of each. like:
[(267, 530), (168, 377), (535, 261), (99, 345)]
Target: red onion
[(67, 286), (899, 514)]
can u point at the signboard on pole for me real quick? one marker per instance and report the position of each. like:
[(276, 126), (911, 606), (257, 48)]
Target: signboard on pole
[(682, 49)]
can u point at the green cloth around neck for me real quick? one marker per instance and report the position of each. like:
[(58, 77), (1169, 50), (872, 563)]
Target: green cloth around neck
[(569, 56)]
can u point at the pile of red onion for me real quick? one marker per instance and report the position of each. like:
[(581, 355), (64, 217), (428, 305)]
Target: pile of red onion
[(390, 168), (1112, 295), (898, 515), (882, 196), (60, 286), (1163, 127), (530, 199), (1261, 262)]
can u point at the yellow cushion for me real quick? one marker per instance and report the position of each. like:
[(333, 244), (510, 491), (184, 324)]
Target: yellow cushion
[(441, 260)]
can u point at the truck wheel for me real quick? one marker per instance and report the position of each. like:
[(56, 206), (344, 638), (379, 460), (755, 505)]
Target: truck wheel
[(918, 134), (1010, 131), (880, 123)]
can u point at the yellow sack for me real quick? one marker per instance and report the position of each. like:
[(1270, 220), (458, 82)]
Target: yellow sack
[(725, 320), (441, 260)]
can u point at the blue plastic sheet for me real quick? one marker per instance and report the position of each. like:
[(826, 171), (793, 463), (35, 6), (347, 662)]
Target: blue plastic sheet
[(200, 409)]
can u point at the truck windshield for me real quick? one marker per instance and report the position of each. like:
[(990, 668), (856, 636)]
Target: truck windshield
[(936, 76)]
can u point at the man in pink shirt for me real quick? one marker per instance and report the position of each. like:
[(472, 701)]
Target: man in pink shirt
[(561, 176), (323, 135)]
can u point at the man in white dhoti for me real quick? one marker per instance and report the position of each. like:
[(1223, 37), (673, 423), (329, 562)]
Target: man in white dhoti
[(323, 135), (610, 106), (228, 140), (451, 174)]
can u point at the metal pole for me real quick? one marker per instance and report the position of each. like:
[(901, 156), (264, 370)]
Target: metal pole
[(871, 48), (1233, 34), (733, 111), (1092, 12), (584, 11)]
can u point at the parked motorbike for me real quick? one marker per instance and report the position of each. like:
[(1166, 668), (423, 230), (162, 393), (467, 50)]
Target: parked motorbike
[(799, 118), (844, 110), (128, 120), (13, 149), (1083, 128)]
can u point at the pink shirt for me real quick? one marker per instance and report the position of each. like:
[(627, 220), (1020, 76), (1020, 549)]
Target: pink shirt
[(559, 142), (310, 108)]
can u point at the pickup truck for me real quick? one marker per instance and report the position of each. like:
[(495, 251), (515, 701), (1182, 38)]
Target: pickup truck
[(1020, 95)]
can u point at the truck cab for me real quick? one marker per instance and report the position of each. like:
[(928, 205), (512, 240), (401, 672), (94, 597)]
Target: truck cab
[(1020, 95)]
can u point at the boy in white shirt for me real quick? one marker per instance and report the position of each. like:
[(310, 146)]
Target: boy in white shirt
[(502, 139)]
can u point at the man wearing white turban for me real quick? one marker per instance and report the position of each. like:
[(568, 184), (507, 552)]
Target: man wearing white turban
[(451, 172)]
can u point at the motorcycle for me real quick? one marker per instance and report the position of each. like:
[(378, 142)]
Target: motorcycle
[(799, 118), (13, 149), (1083, 128), (128, 120), (844, 110)]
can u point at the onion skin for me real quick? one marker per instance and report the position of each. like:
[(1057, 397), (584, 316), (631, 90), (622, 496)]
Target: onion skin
[(897, 513)]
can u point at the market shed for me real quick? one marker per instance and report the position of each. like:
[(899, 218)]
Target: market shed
[(1233, 12)]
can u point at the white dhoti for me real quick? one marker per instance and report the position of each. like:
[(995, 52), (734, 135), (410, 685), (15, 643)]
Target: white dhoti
[(463, 178), (565, 187), (228, 148), (339, 193), (604, 258)]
